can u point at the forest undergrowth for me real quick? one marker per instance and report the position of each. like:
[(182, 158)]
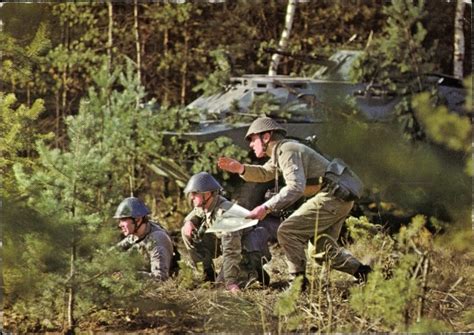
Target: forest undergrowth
[(421, 283)]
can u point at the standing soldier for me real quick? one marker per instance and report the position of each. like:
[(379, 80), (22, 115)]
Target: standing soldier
[(251, 243), (146, 236), (303, 171)]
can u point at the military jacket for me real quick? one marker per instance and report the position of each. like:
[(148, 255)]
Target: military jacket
[(203, 220), (155, 246), (296, 162)]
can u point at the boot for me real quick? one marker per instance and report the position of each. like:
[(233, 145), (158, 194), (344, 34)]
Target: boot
[(304, 283), (209, 274), (362, 273), (260, 276)]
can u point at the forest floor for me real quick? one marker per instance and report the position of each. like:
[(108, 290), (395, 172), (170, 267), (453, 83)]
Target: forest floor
[(446, 303), (325, 307)]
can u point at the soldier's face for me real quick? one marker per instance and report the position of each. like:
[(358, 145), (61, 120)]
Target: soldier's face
[(257, 144), (127, 226), (200, 199)]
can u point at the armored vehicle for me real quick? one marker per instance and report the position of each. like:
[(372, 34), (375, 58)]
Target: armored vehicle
[(306, 102)]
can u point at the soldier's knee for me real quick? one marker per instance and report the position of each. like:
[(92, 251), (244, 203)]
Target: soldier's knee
[(282, 233)]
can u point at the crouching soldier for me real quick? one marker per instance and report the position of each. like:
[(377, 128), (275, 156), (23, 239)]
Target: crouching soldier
[(146, 236), (244, 251), (304, 172)]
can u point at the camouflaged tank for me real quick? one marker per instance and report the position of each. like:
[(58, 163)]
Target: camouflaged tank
[(307, 101)]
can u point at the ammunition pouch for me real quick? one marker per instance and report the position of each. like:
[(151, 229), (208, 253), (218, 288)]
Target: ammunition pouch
[(341, 182)]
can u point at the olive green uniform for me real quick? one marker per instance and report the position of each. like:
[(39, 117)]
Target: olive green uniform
[(205, 247), (155, 246), (301, 166)]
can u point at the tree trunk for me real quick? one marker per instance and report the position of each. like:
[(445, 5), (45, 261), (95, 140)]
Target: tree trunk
[(110, 36), (184, 67), (137, 40), (166, 75), (58, 117), (65, 78), (458, 59), (285, 36), (71, 292)]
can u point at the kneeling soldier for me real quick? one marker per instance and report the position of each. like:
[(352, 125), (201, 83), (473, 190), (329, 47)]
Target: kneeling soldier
[(244, 252)]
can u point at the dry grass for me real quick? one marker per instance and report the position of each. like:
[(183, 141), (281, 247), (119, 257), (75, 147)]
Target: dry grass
[(168, 308)]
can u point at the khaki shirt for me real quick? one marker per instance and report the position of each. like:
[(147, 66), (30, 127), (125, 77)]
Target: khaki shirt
[(156, 247), (199, 217), (231, 242), (296, 162)]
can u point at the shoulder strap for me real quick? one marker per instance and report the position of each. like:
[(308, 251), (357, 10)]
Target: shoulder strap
[(276, 162)]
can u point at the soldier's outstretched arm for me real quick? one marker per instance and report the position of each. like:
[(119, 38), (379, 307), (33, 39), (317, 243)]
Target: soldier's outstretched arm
[(230, 165)]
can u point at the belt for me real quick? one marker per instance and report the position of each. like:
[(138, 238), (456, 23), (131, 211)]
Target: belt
[(313, 186)]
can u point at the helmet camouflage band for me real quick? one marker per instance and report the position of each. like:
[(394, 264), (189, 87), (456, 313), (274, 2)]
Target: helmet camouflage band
[(202, 182), (131, 208), (262, 125)]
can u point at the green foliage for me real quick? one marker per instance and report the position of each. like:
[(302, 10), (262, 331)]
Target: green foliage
[(262, 105), (397, 58), (77, 189), (429, 326), (319, 29), (110, 280), (209, 152), (113, 150), (387, 300), (219, 79), (398, 61), (441, 126), (189, 277), (286, 307), (17, 136), (420, 178), (20, 60), (444, 127), (360, 228), (393, 297)]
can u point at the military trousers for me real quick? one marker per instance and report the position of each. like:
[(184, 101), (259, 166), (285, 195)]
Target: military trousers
[(326, 222), (243, 252)]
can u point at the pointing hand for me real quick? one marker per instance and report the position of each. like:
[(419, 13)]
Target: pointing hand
[(230, 165)]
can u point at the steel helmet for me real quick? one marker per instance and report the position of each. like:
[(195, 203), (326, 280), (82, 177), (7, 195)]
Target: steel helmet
[(262, 125), (202, 182), (131, 208)]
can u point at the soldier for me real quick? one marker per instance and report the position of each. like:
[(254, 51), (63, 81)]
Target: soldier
[(147, 236), (303, 171), (244, 252)]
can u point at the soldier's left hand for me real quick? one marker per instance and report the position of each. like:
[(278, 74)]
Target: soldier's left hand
[(258, 212)]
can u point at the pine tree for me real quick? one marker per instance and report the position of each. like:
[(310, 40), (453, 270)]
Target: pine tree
[(21, 60), (114, 150), (398, 61), (18, 134), (75, 191)]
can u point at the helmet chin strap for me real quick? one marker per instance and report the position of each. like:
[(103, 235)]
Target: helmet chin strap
[(265, 145), (137, 226), (206, 201)]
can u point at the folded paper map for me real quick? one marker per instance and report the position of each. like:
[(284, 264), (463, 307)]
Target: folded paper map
[(232, 220)]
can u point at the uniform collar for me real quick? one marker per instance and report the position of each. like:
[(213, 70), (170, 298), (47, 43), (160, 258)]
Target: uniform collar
[(147, 231), (272, 147)]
